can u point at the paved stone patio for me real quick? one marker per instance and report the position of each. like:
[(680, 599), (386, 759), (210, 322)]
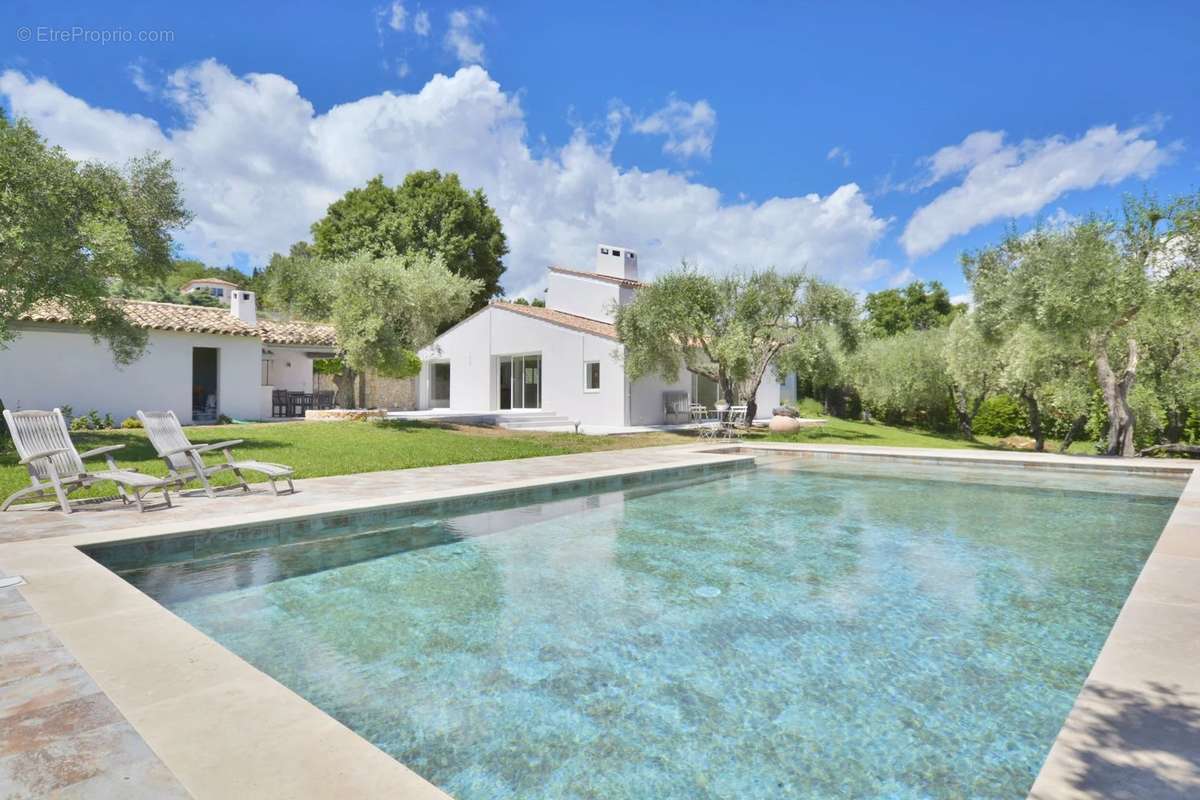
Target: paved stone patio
[(60, 735)]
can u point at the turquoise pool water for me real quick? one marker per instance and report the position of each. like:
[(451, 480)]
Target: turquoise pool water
[(797, 630)]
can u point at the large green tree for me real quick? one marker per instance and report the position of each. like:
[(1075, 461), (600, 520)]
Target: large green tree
[(904, 378), (915, 307), (67, 229), (429, 213), (1100, 287), (383, 309), (732, 330)]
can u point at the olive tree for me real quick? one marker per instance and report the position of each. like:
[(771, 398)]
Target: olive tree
[(1106, 288), (730, 329), (67, 229), (972, 370), (903, 376), (383, 309)]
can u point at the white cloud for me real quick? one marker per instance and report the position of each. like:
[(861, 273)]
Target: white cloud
[(956, 158), (902, 278), (840, 154), (688, 127), (1012, 180), (462, 39), (397, 17), (421, 26), (258, 165), (137, 75)]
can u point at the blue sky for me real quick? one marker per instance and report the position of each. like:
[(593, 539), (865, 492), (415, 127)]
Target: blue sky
[(868, 142)]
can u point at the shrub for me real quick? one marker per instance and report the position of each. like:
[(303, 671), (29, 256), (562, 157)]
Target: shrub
[(92, 421), (131, 422), (1001, 415), (808, 407)]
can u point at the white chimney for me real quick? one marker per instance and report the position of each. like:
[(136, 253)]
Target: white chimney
[(618, 262), (241, 305)]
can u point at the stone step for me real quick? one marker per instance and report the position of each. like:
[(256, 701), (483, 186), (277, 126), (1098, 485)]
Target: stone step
[(540, 421)]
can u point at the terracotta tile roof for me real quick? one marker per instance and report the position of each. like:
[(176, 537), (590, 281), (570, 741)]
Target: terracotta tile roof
[(572, 321), (157, 316), (627, 283), (198, 319), (297, 332)]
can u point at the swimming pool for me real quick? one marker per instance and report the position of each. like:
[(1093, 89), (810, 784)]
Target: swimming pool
[(801, 629)]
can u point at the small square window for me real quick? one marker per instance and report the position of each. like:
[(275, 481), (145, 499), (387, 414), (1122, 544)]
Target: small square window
[(629, 254), (604, 250), (616, 252), (591, 376)]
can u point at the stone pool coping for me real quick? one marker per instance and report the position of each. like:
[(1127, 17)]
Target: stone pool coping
[(226, 729)]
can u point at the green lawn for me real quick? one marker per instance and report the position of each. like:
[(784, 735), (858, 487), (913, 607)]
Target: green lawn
[(338, 448)]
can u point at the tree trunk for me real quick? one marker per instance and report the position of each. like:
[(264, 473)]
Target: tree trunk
[(1035, 422), (752, 401), (344, 381), (1176, 420), (725, 384), (362, 390), (964, 416), (1116, 398), (1073, 433)]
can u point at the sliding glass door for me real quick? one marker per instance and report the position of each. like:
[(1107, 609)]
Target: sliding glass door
[(520, 380)]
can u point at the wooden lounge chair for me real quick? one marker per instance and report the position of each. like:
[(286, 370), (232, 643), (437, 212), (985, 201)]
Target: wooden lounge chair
[(185, 460), (46, 450)]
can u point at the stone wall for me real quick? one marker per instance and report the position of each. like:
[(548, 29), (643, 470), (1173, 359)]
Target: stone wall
[(394, 394)]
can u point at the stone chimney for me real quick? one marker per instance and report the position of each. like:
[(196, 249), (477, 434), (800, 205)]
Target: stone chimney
[(241, 305)]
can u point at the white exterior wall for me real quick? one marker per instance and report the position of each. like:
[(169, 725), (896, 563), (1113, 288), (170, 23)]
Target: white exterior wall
[(582, 297), (47, 367), (646, 405), (787, 390), (289, 369), (473, 345), (768, 396)]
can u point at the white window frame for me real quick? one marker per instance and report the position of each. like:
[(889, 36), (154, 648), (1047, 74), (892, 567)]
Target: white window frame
[(586, 375)]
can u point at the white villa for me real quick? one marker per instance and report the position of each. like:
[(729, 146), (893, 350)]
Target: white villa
[(200, 361), (563, 359), (215, 286)]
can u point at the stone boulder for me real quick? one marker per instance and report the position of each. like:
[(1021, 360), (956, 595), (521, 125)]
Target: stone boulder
[(785, 411)]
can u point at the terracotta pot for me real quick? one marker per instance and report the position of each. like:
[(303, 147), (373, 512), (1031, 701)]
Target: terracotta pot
[(780, 424)]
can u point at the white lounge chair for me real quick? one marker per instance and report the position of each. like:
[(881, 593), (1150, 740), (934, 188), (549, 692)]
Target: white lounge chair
[(185, 460), (46, 450), (734, 419)]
